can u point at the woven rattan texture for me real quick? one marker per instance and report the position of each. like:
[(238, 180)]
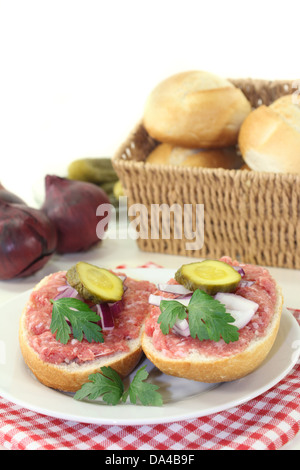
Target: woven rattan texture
[(251, 216)]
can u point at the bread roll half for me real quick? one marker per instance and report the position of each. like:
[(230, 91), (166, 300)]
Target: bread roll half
[(69, 377), (212, 367), (269, 138), (195, 109), (167, 154)]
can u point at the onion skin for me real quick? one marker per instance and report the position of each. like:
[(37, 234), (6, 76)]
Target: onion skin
[(27, 240), (71, 205)]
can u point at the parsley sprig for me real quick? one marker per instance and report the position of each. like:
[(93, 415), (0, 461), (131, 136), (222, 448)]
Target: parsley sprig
[(109, 385), (82, 319), (207, 318), (143, 391)]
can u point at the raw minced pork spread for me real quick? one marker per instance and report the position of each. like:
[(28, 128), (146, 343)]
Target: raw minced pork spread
[(262, 291), (127, 323)]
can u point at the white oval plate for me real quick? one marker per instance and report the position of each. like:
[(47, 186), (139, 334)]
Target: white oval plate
[(183, 399)]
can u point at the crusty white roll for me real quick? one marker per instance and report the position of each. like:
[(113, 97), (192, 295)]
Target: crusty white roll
[(269, 138), (168, 154), (195, 109), (69, 377), (211, 368)]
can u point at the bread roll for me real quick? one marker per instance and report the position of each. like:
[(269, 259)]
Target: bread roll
[(214, 369), (269, 138), (214, 362), (196, 109), (245, 167), (70, 376), (167, 154)]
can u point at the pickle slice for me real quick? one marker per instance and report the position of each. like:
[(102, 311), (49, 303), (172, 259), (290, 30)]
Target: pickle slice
[(210, 276), (94, 283)]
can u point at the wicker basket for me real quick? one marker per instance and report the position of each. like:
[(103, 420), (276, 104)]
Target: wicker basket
[(250, 216)]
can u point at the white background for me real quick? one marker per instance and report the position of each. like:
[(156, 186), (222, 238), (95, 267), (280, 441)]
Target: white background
[(74, 75)]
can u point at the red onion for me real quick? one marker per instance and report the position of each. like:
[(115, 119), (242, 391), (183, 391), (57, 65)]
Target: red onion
[(239, 270), (107, 321), (116, 307), (156, 299), (246, 283), (67, 291), (181, 327), (71, 205), (240, 308), (27, 240), (186, 297), (176, 289)]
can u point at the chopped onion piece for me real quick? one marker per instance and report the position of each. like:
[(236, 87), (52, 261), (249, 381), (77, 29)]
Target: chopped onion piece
[(156, 299), (67, 291), (184, 297), (61, 288), (116, 307), (241, 309), (174, 289), (181, 327), (180, 332), (104, 312), (246, 283), (239, 270), (182, 324)]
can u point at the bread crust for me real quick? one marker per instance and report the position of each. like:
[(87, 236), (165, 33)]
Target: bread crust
[(216, 369), (70, 378), (195, 109), (269, 138), (168, 154)]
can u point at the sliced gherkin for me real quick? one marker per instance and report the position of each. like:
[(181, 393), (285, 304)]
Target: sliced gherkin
[(211, 276), (94, 283)]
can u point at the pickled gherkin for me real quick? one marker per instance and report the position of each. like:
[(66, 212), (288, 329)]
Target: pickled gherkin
[(93, 170), (211, 276), (94, 283), (99, 171)]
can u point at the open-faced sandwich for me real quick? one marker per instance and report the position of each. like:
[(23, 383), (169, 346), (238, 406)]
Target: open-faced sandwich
[(215, 322), (78, 321)]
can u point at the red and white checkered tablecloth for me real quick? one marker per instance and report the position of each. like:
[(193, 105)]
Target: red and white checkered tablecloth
[(265, 423)]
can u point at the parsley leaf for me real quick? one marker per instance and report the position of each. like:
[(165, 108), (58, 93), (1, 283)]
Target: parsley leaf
[(145, 392), (207, 318), (108, 384), (171, 311), (82, 319)]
